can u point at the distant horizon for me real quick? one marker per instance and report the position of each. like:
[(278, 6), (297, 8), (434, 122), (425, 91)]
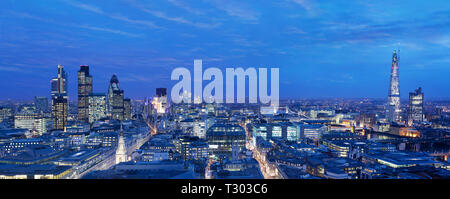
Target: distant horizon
[(281, 99), (73, 94)]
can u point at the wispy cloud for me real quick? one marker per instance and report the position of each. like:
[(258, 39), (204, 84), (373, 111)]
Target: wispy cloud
[(308, 6), (295, 30), (11, 69), (109, 30), (120, 17), (25, 15), (181, 20), (442, 41), (89, 27), (304, 3), (244, 41), (131, 77), (87, 7), (184, 6), (235, 9)]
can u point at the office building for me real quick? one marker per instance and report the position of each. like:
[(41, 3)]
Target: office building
[(127, 109), (34, 122), (415, 109), (97, 106), (221, 137), (60, 99), (5, 113), (313, 131), (160, 100), (60, 111), (115, 99), (84, 89), (59, 83), (199, 128), (283, 130)]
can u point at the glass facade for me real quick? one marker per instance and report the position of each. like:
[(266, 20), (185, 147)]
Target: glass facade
[(84, 89)]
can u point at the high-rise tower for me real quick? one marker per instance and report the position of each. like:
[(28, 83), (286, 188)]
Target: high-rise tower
[(115, 99), (97, 106), (393, 110), (415, 111), (160, 100), (60, 110), (59, 83), (127, 109), (60, 106), (84, 89)]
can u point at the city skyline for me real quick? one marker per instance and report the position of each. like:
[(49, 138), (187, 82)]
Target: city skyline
[(224, 89), (335, 56)]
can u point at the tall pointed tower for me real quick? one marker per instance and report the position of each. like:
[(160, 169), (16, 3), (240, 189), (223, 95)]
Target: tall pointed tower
[(121, 151), (393, 110)]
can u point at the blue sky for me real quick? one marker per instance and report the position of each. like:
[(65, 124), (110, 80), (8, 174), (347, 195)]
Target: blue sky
[(323, 48)]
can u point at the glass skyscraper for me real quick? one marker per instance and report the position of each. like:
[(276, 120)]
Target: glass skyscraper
[(84, 89), (60, 111), (115, 99), (393, 110), (97, 106), (415, 109), (60, 106)]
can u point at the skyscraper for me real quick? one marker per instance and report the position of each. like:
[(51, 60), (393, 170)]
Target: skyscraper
[(415, 109), (115, 99), (97, 106), (393, 110), (160, 100), (59, 83), (60, 111), (127, 109), (84, 89), (60, 106), (160, 92)]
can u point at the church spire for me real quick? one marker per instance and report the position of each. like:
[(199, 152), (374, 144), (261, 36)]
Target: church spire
[(121, 152)]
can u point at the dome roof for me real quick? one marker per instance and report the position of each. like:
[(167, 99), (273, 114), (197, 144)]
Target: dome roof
[(114, 79)]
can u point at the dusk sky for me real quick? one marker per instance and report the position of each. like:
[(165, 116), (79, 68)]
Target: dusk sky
[(323, 48)]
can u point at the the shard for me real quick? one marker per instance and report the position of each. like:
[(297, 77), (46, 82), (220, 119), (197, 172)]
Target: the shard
[(393, 110)]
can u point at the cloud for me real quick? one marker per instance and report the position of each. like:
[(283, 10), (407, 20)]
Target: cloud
[(11, 69), (295, 30), (237, 10), (131, 77), (120, 17), (304, 3), (442, 41), (133, 21), (244, 41), (86, 7), (307, 6), (182, 20), (28, 16), (183, 6), (102, 29), (109, 30)]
